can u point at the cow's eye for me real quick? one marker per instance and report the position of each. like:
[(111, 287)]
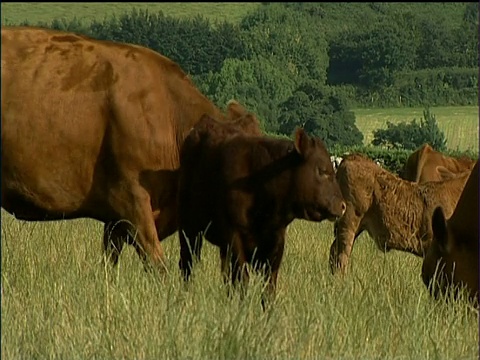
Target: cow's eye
[(321, 171)]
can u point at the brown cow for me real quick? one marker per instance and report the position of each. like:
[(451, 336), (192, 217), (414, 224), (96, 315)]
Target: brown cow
[(396, 213), (242, 193), (426, 164), (93, 129), (455, 244)]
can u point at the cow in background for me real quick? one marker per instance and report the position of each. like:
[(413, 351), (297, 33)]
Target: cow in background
[(452, 259), (426, 164)]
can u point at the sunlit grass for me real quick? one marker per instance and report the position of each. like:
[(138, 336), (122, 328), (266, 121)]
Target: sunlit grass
[(60, 302)]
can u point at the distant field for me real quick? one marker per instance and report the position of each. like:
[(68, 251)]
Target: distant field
[(14, 13), (459, 123)]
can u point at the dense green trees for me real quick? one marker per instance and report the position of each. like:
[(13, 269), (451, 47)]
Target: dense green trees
[(321, 112), (259, 83), (376, 56), (194, 43)]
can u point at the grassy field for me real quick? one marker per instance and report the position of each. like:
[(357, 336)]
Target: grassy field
[(459, 123), (14, 13), (59, 302)]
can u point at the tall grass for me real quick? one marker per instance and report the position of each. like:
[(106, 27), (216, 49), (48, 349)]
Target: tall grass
[(59, 301), (459, 123)]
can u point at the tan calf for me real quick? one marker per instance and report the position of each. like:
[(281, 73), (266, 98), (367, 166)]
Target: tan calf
[(396, 213)]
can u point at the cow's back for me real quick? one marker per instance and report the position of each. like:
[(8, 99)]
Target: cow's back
[(444, 193), (78, 113), (422, 165), (465, 215)]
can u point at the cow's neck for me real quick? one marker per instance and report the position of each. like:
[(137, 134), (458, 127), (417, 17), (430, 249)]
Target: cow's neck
[(275, 178)]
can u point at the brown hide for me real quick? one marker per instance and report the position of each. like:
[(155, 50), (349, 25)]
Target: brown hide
[(93, 129), (454, 246), (241, 192), (426, 164), (396, 213)]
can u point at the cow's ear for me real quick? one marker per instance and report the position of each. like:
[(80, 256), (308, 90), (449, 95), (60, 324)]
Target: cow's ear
[(301, 141), (235, 110), (440, 231), (444, 173)]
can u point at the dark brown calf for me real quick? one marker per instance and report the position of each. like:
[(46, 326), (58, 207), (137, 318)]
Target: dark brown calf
[(242, 193)]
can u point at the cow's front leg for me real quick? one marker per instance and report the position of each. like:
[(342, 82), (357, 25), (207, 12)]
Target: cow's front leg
[(239, 274), (273, 266), (346, 230)]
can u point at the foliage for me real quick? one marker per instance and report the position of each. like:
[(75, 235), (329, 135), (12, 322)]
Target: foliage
[(288, 37), (321, 112), (194, 43), (258, 83), (371, 58), (445, 86), (74, 25), (412, 135)]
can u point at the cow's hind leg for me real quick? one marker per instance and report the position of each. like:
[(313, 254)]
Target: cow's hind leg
[(134, 206), (115, 235), (190, 247)]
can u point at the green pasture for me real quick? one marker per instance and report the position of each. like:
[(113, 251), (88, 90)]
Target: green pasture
[(15, 13), (59, 302), (459, 123)]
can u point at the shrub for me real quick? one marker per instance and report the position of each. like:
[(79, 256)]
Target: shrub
[(411, 135)]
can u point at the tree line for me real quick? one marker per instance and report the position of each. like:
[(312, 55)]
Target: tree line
[(308, 64)]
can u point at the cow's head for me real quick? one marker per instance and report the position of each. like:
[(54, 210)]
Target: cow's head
[(449, 261), (317, 195)]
